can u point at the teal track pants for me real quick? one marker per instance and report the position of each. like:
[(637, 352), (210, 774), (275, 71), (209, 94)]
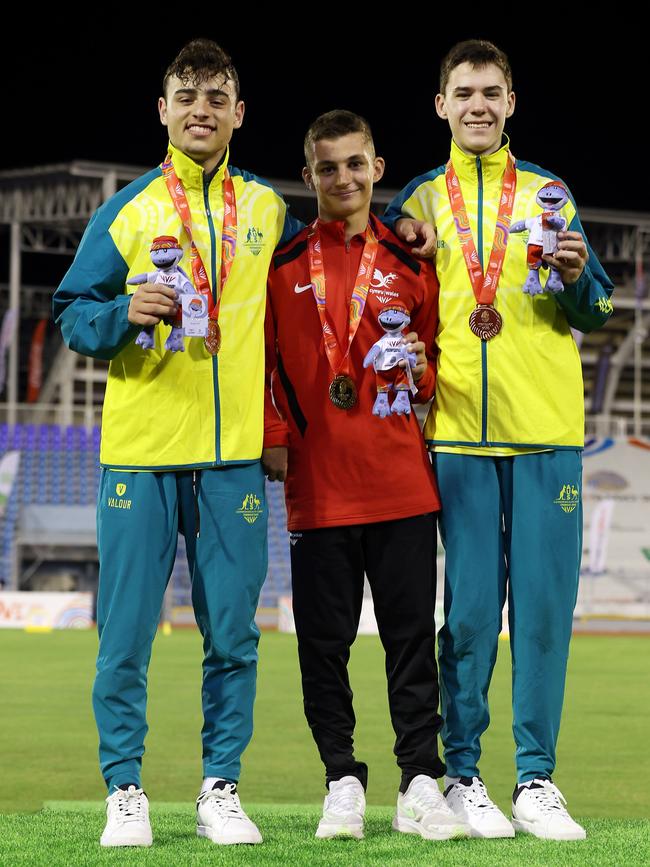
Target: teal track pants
[(512, 526), (223, 516)]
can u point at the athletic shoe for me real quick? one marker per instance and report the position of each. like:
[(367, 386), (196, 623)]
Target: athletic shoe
[(343, 810), (538, 808), (127, 819), (220, 817), (468, 799), (423, 810)]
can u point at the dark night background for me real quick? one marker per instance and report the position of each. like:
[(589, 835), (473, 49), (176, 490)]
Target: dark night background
[(581, 87)]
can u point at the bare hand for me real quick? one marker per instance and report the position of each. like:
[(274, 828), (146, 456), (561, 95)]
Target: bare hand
[(416, 347), (152, 302), (571, 256), (410, 230), (274, 462)]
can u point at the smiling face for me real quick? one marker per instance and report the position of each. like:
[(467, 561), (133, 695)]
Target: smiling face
[(343, 171), (200, 118), (476, 102)]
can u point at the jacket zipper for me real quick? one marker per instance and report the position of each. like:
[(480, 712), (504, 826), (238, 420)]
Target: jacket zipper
[(215, 363), (479, 245)]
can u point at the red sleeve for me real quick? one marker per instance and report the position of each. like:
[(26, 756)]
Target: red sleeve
[(425, 324), (276, 430)]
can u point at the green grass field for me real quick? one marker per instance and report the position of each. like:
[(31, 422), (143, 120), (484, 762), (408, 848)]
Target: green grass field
[(48, 756)]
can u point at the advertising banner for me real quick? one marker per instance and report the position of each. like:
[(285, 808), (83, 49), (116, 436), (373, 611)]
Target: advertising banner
[(45, 611)]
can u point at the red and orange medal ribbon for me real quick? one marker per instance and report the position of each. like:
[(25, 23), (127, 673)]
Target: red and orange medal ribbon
[(484, 321), (228, 245), (342, 389)]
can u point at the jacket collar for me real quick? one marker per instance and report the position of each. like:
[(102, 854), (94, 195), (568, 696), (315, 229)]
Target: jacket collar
[(191, 173), (492, 165), (334, 230)]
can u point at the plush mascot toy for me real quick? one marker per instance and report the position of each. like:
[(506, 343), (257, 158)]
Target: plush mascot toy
[(166, 253), (385, 355), (543, 237)]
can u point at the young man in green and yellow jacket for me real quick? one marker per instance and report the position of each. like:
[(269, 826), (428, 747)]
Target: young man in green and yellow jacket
[(506, 427), (181, 434)]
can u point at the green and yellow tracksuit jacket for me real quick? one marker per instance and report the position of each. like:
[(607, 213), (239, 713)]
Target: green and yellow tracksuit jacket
[(522, 390), (165, 410)]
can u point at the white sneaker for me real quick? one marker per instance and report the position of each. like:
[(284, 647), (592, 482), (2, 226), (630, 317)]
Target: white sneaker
[(468, 799), (127, 819), (538, 808), (343, 810), (220, 817), (423, 810)]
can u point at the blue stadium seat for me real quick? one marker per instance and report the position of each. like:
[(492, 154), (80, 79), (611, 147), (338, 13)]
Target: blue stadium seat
[(62, 466)]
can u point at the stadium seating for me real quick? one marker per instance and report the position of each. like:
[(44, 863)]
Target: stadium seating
[(60, 466)]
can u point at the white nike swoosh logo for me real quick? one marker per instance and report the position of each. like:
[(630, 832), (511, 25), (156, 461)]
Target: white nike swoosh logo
[(298, 289)]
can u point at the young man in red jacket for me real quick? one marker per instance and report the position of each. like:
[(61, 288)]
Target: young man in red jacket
[(342, 364)]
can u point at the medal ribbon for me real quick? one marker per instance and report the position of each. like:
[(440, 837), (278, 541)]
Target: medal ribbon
[(485, 285), (228, 233), (338, 360)]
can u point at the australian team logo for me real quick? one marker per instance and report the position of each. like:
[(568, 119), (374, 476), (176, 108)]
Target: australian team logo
[(568, 499), (251, 508), (604, 305), (254, 240)]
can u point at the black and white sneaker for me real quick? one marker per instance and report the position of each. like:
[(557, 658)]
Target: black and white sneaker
[(127, 818), (538, 807), (221, 818)]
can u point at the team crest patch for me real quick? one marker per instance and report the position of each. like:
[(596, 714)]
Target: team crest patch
[(568, 499), (381, 280), (254, 240), (604, 305), (119, 502), (251, 508)]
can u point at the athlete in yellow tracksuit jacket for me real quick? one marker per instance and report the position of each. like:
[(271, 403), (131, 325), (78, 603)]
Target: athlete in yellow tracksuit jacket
[(506, 426), (523, 389), (181, 432)]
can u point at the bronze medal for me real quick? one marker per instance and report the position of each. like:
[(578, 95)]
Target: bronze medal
[(343, 392), (212, 339), (485, 321)]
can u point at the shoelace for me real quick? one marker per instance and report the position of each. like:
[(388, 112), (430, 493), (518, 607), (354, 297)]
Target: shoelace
[(224, 802), (548, 797), (130, 805), (476, 798), (427, 795), (346, 800)]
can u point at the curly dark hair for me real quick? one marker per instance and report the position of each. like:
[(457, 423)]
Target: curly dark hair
[(200, 60), (335, 124), (478, 53)]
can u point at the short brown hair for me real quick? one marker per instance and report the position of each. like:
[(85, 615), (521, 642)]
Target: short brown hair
[(478, 53), (200, 60), (335, 124)]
